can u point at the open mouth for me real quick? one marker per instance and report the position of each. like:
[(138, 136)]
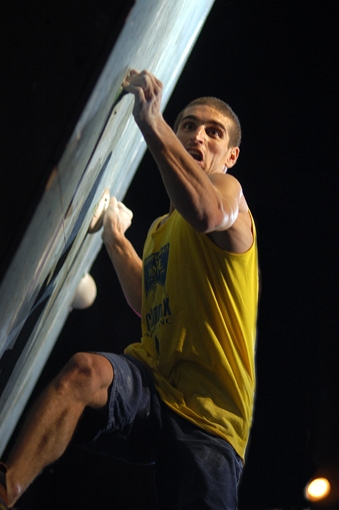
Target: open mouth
[(196, 154)]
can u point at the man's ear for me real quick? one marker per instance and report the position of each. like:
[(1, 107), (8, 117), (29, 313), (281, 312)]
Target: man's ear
[(232, 157)]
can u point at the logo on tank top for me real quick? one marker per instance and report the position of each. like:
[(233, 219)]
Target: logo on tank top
[(155, 271), (155, 268)]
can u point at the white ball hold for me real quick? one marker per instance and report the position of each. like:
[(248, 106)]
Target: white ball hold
[(85, 294)]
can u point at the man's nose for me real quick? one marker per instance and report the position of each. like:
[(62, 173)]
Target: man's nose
[(199, 134)]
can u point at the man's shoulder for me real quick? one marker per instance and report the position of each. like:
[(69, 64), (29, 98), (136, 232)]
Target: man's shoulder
[(158, 222)]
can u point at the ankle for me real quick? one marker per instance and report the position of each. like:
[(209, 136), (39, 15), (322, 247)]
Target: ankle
[(13, 490)]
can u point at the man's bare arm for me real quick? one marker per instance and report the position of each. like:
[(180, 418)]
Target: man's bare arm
[(126, 261), (191, 191)]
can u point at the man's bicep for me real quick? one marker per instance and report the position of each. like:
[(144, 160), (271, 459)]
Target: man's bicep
[(230, 193)]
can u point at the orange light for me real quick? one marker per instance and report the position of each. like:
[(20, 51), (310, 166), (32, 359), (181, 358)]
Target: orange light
[(317, 489)]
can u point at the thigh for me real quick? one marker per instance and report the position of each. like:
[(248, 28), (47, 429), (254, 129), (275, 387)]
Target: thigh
[(127, 427), (195, 469)]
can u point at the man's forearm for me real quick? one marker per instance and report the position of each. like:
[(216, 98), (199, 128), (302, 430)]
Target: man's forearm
[(190, 190), (128, 267)]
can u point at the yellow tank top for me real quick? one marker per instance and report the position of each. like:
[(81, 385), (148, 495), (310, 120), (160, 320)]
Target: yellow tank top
[(199, 316)]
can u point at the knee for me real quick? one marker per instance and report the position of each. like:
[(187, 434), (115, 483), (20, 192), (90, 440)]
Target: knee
[(86, 375), (82, 364)]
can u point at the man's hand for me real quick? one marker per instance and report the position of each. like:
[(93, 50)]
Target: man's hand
[(147, 91), (126, 261), (117, 220)]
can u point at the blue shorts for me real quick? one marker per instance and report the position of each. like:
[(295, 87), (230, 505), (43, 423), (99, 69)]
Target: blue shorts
[(193, 468)]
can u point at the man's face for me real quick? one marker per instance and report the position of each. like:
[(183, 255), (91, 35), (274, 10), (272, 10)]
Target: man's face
[(204, 132)]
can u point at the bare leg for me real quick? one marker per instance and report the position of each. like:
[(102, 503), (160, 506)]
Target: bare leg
[(50, 425)]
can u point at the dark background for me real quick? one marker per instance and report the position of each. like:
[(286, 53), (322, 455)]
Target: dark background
[(276, 64)]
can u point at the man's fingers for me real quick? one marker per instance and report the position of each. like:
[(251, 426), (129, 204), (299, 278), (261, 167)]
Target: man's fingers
[(119, 207), (113, 202), (119, 214), (125, 209), (125, 216), (142, 84)]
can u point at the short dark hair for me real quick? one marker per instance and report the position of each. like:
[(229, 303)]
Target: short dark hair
[(224, 109)]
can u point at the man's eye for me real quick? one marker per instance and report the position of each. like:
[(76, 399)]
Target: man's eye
[(188, 125), (216, 133)]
